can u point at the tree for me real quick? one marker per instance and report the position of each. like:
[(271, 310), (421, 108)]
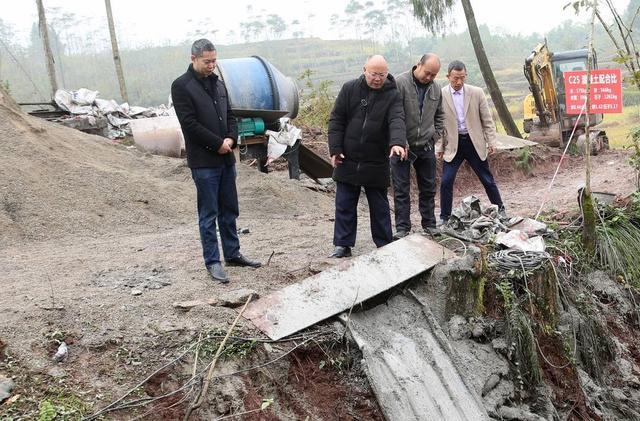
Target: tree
[(589, 237), (619, 32), (396, 11), (296, 29), (44, 34), (276, 26), (116, 52), (374, 21), (352, 10), (433, 15)]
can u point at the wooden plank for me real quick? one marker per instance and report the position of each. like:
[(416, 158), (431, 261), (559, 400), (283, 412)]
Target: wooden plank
[(353, 281), (313, 164)]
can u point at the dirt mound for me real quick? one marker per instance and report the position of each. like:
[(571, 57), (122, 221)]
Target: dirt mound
[(58, 181)]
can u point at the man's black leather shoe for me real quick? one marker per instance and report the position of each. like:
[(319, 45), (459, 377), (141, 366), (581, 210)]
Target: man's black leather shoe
[(217, 273), (341, 251), (243, 261)]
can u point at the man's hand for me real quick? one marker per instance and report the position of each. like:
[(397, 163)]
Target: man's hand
[(439, 155), (337, 160), (492, 150), (399, 151), (225, 148)]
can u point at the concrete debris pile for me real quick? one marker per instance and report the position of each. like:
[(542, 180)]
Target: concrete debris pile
[(473, 221), (101, 116)]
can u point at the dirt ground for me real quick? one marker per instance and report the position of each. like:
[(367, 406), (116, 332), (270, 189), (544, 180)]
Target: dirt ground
[(85, 225), (524, 192)]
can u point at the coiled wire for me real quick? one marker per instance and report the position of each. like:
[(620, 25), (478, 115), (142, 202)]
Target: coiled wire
[(506, 260)]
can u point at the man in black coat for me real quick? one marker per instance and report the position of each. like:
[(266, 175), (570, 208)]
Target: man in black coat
[(210, 132), (366, 128)]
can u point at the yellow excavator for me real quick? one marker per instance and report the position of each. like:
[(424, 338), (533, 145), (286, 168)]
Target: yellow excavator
[(544, 108)]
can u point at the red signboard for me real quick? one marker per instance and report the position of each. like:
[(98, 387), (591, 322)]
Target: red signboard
[(605, 91)]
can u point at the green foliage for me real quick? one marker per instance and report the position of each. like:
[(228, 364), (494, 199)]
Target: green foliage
[(432, 13), (339, 363), (634, 160), (617, 243), (524, 161), (573, 149), (236, 349), (239, 349), (47, 411), (589, 236), (506, 292), (316, 101), (62, 406), (618, 248)]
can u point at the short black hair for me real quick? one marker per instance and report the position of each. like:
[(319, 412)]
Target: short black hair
[(200, 46), (456, 65)]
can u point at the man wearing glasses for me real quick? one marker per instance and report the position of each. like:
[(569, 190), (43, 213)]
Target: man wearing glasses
[(366, 128), (422, 101), (469, 134)]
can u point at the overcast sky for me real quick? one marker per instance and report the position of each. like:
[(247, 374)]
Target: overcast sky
[(152, 22)]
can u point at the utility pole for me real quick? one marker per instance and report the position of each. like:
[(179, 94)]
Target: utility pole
[(44, 34), (116, 52)]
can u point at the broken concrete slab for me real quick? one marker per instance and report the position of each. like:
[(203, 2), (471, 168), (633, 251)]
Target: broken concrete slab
[(337, 289), (411, 366), (6, 386)]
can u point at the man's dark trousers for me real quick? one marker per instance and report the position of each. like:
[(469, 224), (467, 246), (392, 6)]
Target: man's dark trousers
[(346, 224), (217, 200), (425, 166), (467, 151)]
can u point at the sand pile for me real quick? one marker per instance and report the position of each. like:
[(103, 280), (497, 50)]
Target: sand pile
[(56, 181)]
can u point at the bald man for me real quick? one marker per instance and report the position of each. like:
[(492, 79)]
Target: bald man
[(366, 128), (424, 119)]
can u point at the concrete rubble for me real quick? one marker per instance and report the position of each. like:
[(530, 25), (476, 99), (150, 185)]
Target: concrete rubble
[(88, 112)]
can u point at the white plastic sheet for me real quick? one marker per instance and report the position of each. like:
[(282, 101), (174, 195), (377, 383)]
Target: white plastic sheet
[(86, 102)]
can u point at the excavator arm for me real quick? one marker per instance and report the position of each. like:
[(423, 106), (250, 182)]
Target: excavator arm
[(539, 73)]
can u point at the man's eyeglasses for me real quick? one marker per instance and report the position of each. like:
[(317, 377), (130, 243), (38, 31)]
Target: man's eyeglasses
[(379, 75)]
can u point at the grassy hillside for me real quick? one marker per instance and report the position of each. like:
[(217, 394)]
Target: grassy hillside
[(150, 71)]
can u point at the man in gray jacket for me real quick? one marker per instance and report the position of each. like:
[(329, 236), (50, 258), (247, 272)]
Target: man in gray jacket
[(422, 100)]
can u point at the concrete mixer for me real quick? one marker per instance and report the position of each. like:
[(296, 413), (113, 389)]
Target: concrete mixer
[(260, 95)]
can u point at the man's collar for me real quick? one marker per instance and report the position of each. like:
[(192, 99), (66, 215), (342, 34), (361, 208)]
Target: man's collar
[(454, 92), (200, 76)]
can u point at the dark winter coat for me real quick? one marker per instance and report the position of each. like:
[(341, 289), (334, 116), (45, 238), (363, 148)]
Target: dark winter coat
[(363, 126), (202, 107)]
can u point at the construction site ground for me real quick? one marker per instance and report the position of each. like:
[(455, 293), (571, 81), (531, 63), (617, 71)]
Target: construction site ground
[(98, 241)]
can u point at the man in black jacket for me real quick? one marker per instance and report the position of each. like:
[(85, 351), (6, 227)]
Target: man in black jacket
[(210, 131), (366, 128)]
